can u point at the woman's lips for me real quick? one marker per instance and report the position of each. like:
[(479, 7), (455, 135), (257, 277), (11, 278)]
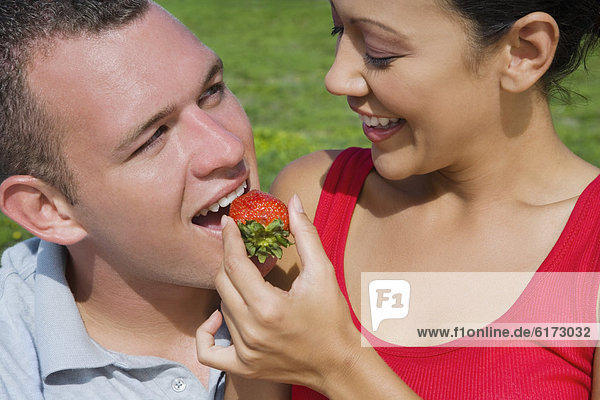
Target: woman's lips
[(380, 133)]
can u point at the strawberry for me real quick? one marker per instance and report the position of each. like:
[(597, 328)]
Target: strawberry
[(264, 223)]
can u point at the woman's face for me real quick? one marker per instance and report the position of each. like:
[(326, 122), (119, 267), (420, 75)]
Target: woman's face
[(403, 66)]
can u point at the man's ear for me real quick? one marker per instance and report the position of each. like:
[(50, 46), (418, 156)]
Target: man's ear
[(529, 51), (41, 209)]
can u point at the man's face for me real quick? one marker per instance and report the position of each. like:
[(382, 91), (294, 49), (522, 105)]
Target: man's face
[(153, 137)]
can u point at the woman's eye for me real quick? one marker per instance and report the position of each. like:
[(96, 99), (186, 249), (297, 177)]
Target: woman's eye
[(379, 62), (337, 30), (213, 95)]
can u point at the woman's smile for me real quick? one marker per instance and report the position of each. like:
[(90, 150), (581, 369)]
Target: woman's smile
[(378, 129)]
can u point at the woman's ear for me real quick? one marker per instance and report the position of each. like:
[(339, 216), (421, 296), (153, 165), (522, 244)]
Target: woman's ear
[(530, 47), (40, 208)]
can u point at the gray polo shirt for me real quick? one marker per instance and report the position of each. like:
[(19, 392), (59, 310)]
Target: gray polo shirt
[(46, 353)]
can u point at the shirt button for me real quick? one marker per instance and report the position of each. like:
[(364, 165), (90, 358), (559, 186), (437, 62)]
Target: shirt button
[(178, 385)]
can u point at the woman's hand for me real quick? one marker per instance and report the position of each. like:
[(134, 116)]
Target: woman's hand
[(304, 336)]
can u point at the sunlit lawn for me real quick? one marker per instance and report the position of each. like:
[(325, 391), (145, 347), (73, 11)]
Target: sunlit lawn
[(276, 54)]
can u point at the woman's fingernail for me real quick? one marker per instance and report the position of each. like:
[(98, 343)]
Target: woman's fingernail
[(297, 203), (213, 315)]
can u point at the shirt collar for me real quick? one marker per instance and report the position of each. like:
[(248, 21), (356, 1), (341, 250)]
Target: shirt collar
[(61, 337)]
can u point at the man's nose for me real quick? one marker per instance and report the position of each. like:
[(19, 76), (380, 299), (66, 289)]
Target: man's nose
[(210, 144)]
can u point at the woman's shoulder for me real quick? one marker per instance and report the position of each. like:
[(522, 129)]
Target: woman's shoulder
[(304, 177)]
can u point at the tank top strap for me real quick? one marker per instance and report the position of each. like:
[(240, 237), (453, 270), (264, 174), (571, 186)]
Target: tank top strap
[(340, 192)]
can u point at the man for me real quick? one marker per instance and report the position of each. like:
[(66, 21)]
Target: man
[(117, 134)]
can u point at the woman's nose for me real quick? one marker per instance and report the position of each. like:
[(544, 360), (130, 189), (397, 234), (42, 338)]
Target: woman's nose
[(345, 75)]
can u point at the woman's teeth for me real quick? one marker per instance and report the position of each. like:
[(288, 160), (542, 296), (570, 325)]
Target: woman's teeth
[(224, 201), (378, 122)]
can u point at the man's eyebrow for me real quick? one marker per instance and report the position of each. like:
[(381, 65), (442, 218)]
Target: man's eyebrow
[(214, 70), (136, 132)]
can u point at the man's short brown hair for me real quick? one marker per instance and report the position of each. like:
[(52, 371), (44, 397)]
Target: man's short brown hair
[(30, 138)]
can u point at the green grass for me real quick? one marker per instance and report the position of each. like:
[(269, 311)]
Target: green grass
[(276, 54), (10, 233), (578, 124)]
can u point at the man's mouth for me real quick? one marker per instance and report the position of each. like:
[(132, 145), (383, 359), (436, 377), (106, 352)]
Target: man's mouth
[(210, 217)]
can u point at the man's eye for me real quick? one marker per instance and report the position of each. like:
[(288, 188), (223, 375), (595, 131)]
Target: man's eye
[(213, 95), (154, 139)]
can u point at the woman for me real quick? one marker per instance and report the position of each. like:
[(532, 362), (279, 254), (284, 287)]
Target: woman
[(465, 173)]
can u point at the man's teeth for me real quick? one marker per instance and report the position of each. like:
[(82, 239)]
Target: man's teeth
[(375, 121), (224, 201)]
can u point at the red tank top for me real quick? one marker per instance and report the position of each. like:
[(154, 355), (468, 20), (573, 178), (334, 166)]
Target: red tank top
[(480, 372)]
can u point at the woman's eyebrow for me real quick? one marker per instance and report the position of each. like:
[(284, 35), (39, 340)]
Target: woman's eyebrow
[(378, 24)]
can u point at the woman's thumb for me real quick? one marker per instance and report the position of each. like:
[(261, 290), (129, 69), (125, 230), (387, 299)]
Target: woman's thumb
[(308, 243)]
